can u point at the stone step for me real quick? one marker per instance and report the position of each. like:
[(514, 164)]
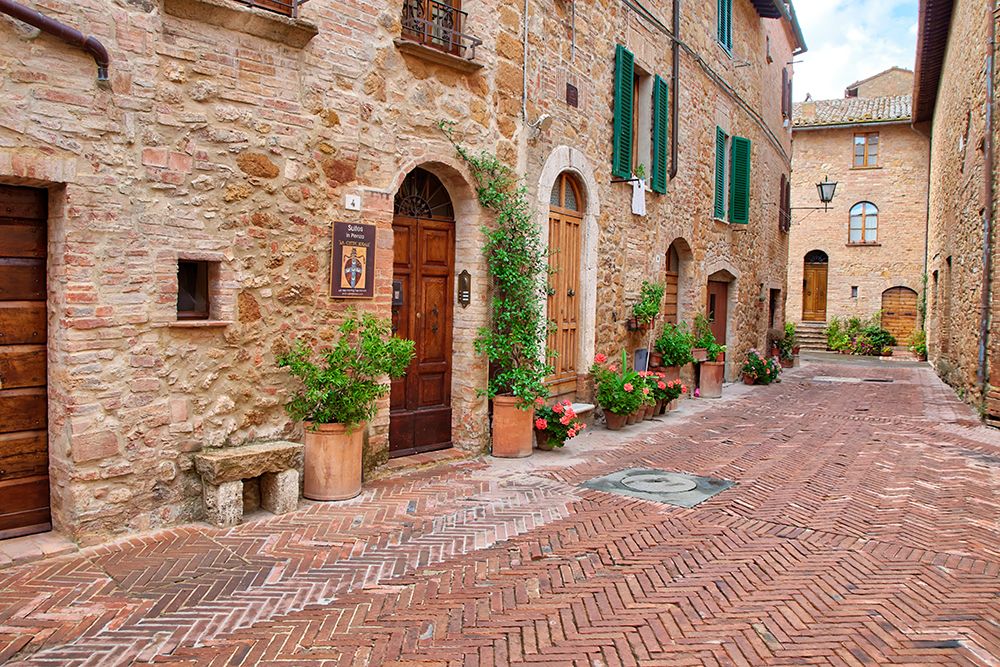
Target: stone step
[(585, 412)]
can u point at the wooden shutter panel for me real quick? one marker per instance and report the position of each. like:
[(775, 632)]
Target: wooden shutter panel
[(739, 194), (624, 75), (784, 92), (661, 113), (726, 23), (720, 173)]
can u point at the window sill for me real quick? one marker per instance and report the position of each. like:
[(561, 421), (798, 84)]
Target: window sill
[(878, 166), (430, 54), (876, 244), (199, 324), (245, 19)]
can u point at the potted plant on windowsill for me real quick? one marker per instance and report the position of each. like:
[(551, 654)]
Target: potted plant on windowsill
[(338, 397), (514, 343), (618, 390), (674, 346), (644, 312)]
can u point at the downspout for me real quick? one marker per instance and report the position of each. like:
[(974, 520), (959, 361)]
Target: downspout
[(524, 69), (982, 372), (67, 34), (675, 79)]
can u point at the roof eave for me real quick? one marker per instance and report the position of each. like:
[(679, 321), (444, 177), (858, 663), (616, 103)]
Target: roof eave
[(787, 11), (931, 46), (866, 123)]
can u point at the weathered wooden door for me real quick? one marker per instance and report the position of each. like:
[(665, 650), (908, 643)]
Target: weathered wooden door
[(717, 309), (899, 312), (671, 290), (565, 222), (423, 277), (814, 278), (24, 459)]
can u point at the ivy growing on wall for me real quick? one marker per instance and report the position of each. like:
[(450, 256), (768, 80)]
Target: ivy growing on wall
[(517, 260)]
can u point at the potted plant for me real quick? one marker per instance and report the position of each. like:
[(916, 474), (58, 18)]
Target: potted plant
[(760, 370), (674, 348), (514, 343), (648, 399), (785, 347), (618, 390), (702, 333), (555, 424), (713, 368), (338, 397), (644, 312), (666, 391), (918, 344)]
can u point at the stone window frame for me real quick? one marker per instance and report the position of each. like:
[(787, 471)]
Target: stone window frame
[(865, 163), (864, 226), (222, 288)]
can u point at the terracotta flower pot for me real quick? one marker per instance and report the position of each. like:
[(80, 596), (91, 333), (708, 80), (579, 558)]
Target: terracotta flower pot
[(544, 441), (671, 373), (632, 418), (655, 360), (712, 375), (332, 467), (747, 379), (650, 411), (795, 350), (615, 422), (512, 428), (787, 363), (700, 354), (659, 408)]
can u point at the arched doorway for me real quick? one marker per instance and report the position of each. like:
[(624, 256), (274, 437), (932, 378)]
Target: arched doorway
[(814, 277), (565, 222), (423, 228), (675, 281), (899, 312)]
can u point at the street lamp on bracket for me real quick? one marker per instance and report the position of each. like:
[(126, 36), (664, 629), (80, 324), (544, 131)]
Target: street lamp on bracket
[(826, 189)]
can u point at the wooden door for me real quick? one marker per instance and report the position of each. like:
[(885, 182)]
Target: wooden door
[(899, 312), (423, 267), (565, 223), (718, 309), (672, 282), (814, 276), (24, 459)]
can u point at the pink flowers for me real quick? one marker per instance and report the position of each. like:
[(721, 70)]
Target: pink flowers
[(697, 393), (541, 424), (600, 358), (645, 391), (662, 385), (628, 387), (558, 408), (565, 420), (539, 402)]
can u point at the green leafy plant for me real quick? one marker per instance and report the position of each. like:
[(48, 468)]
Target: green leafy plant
[(705, 339), (517, 261), (619, 390), (348, 379), (760, 369), (663, 389), (786, 344), (918, 343), (859, 336), (648, 306), (558, 420), (674, 343)]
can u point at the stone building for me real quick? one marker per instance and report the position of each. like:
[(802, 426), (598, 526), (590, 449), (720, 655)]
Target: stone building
[(173, 226), (953, 102), (865, 254)]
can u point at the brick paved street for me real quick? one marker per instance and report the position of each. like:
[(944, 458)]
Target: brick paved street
[(863, 530)]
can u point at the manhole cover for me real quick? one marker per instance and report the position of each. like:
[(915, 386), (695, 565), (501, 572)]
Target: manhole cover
[(662, 486)]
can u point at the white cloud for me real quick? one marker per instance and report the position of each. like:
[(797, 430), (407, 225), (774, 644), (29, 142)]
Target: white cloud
[(850, 40)]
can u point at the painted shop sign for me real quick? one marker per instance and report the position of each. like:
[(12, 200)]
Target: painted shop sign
[(353, 265)]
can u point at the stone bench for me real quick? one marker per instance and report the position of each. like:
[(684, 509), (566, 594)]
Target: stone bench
[(223, 470)]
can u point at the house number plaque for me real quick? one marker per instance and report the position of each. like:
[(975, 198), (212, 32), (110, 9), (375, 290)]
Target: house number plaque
[(352, 267), (464, 289)]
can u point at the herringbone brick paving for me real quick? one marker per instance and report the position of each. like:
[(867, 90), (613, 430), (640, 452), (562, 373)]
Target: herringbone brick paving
[(863, 530)]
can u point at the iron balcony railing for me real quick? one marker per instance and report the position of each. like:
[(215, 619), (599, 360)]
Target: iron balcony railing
[(439, 25), (284, 7)]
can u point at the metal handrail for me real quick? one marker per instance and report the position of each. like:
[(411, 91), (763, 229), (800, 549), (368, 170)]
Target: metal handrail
[(284, 7), (438, 25)]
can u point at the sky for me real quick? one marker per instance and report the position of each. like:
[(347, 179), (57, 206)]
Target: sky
[(850, 40)]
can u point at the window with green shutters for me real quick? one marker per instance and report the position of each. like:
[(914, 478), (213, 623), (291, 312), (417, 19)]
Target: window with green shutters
[(726, 24), (661, 114), (721, 140), (739, 184), (624, 73)]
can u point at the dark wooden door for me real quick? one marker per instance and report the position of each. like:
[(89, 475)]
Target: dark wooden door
[(814, 277), (24, 458), (565, 222), (899, 312), (423, 267), (671, 289), (718, 309)]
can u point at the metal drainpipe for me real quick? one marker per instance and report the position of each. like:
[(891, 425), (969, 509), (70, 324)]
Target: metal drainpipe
[(524, 69), (982, 372), (67, 34), (675, 78)]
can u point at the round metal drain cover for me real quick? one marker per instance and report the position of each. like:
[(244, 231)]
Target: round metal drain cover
[(663, 482)]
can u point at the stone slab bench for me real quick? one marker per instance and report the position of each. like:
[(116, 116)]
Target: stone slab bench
[(223, 470)]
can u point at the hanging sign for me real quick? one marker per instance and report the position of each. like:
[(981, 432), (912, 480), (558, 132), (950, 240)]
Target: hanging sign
[(353, 265)]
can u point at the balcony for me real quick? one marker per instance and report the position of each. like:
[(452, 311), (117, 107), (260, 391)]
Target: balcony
[(435, 31), (276, 20)]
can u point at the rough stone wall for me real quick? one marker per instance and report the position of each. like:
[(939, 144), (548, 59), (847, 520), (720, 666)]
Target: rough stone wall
[(957, 199), (218, 144), (898, 187), (892, 82)]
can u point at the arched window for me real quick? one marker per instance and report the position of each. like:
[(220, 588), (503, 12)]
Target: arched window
[(864, 223)]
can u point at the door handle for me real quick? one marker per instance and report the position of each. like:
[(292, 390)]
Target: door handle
[(571, 292)]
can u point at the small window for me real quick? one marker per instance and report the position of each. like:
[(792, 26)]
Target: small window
[(864, 223), (772, 307), (866, 149), (854, 291), (192, 290), (725, 25)]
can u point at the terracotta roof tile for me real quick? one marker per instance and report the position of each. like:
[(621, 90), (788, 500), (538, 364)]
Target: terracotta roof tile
[(851, 110)]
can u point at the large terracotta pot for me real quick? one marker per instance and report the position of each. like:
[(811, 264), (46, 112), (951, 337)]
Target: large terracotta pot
[(712, 373), (700, 354), (512, 428), (614, 421), (672, 373), (332, 467)]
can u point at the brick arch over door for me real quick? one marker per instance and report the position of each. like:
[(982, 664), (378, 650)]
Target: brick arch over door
[(678, 281), (899, 312)]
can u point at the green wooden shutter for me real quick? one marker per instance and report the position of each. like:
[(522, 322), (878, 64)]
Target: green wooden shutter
[(661, 114), (739, 193), (624, 81), (726, 23), (720, 173)]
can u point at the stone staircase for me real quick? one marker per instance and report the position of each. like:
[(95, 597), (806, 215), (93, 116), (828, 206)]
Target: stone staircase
[(810, 335)]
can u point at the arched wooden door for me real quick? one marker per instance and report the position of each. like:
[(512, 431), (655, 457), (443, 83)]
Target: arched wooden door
[(815, 271), (899, 312), (672, 282), (565, 224), (423, 273)]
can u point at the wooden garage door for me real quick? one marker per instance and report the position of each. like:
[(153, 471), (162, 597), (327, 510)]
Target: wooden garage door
[(899, 312), (24, 462)]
